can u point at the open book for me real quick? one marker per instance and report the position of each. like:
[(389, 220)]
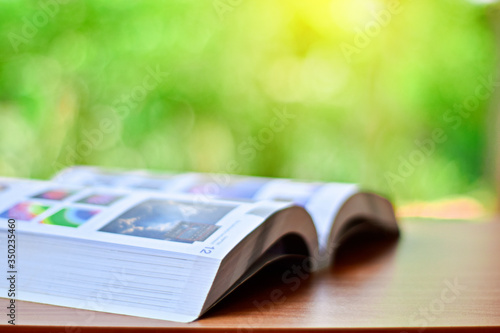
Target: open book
[(168, 246)]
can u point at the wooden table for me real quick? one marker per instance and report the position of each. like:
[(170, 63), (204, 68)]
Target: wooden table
[(439, 276)]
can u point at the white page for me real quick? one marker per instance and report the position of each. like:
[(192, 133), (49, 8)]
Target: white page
[(321, 200), (135, 218)]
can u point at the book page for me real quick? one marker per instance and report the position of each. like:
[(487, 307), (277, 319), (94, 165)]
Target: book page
[(321, 200), (162, 221)]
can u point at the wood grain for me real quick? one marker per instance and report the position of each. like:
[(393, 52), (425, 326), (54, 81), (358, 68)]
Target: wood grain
[(439, 276)]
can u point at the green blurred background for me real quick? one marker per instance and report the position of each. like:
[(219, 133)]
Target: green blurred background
[(365, 84)]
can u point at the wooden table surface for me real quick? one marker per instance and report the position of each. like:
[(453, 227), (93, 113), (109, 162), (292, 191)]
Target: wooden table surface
[(439, 276)]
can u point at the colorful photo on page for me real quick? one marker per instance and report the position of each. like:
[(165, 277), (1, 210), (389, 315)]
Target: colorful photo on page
[(169, 220), (70, 217), (55, 194), (24, 211), (101, 199), (227, 186), (189, 232)]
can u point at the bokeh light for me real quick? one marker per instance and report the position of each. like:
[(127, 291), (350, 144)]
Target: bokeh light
[(184, 85)]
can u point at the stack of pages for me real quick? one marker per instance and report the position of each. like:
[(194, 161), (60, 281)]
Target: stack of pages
[(168, 246)]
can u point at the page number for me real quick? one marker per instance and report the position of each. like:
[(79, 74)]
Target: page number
[(207, 250)]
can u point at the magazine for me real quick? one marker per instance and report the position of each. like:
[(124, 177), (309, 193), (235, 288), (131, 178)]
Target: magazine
[(160, 246)]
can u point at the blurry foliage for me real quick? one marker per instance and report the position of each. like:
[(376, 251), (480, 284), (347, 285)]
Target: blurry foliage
[(231, 65)]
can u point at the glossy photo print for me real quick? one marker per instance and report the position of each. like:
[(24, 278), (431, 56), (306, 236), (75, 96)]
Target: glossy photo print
[(70, 217), (55, 194), (101, 199), (24, 211), (169, 220)]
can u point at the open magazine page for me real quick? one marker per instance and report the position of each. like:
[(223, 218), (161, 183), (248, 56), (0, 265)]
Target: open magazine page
[(73, 240), (169, 222), (321, 200)]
